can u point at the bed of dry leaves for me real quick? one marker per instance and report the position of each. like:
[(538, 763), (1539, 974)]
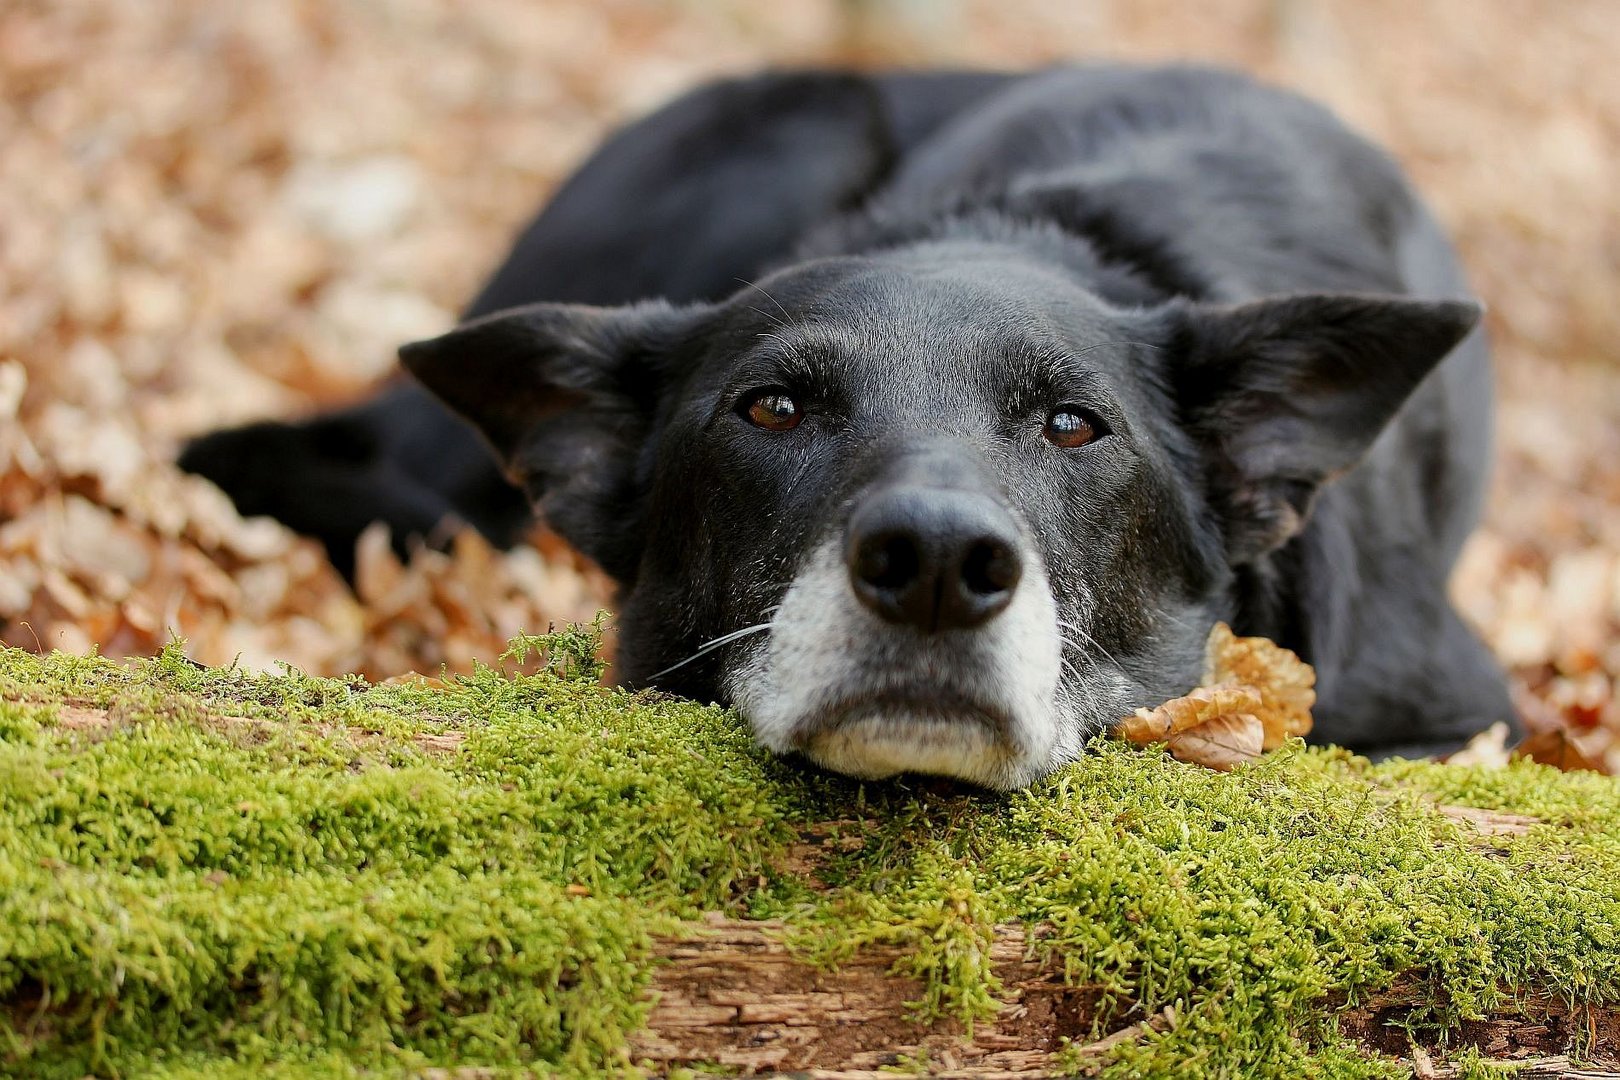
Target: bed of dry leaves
[(218, 212)]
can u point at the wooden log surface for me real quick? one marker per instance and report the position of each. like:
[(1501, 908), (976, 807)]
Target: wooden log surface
[(732, 994)]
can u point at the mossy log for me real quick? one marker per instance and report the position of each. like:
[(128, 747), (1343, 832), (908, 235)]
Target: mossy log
[(219, 873), (732, 993)]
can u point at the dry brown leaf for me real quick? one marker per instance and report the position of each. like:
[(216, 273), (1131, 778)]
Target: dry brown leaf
[(1487, 749), (1202, 705), (13, 382), (378, 573), (1287, 685), (1554, 747), (1256, 695), (1220, 743)]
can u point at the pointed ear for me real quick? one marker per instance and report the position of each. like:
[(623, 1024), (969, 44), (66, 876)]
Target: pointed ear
[(506, 371), (1286, 393), (566, 394)]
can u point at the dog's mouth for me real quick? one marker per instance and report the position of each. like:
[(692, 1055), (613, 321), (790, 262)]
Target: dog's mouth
[(925, 707), (895, 731)]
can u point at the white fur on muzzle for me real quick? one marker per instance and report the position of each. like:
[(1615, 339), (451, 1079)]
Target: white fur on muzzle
[(860, 696)]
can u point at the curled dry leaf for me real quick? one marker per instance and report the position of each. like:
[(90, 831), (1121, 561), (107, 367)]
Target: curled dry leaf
[(1182, 714), (1554, 747), (1489, 748), (1255, 696), (1221, 743), (1286, 684)]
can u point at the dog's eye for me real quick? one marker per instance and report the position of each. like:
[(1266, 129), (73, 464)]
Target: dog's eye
[(1070, 426), (771, 409)]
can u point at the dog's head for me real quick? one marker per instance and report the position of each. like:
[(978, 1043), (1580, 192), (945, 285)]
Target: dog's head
[(942, 510)]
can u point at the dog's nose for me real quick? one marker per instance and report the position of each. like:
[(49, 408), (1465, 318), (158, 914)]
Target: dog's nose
[(933, 558)]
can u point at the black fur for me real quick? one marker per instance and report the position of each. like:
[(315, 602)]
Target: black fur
[(1265, 321)]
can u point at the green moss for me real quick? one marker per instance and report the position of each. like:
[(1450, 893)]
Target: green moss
[(944, 922), (322, 877), (1470, 1064)]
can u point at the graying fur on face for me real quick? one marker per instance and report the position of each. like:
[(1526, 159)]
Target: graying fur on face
[(859, 696)]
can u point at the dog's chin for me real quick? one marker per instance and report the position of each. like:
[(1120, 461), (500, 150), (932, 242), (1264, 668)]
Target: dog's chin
[(879, 739)]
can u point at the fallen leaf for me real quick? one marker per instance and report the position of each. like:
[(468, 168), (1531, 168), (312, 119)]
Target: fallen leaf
[(1287, 685), (1202, 705), (1487, 749), (1256, 695), (1220, 743), (1555, 748)]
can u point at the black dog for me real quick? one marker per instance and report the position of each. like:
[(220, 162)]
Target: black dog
[(958, 408)]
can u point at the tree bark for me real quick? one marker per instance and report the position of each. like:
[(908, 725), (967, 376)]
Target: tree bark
[(732, 994)]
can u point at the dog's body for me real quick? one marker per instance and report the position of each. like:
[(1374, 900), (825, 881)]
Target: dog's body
[(967, 405)]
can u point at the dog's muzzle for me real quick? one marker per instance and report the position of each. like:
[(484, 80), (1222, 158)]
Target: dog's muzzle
[(920, 638)]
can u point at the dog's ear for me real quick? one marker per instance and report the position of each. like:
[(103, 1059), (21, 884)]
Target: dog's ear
[(507, 371), (567, 395), (1286, 393)]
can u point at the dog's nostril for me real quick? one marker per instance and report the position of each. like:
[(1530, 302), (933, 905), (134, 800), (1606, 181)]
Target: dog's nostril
[(888, 562), (991, 567), (933, 558)]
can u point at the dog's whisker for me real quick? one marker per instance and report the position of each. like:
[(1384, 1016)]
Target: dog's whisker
[(1104, 344), (760, 289), (1091, 641), (734, 635), (710, 646), (1166, 615), (766, 314)]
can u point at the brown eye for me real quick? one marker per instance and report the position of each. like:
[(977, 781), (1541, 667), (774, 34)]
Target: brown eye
[(1070, 427), (772, 410)]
